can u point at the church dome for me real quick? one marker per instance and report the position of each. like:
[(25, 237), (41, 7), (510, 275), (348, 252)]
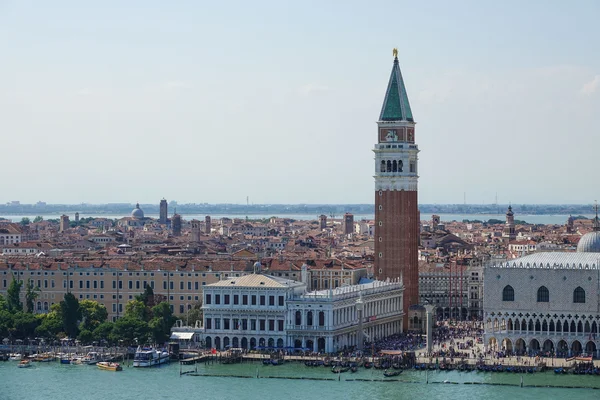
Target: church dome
[(137, 212), (590, 242)]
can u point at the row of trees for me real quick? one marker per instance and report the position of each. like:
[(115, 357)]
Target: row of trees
[(86, 320)]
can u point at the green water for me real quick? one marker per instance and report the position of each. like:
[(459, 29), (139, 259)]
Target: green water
[(52, 381)]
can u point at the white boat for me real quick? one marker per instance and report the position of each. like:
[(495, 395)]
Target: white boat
[(15, 357), (149, 357), (92, 358), (24, 364)]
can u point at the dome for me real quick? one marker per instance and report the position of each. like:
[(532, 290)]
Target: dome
[(137, 212), (590, 242), (257, 267)]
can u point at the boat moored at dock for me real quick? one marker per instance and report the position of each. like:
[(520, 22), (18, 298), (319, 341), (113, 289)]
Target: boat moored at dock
[(149, 357)]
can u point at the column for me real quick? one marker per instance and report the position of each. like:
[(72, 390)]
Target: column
[(429, 315)]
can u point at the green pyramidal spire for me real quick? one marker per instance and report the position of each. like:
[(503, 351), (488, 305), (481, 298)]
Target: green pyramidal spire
[(395, 105)]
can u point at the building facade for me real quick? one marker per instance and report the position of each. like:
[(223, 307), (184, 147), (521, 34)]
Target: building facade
[(10, 233), (456, 291), (544, 302), (262, 311), (396, 179)]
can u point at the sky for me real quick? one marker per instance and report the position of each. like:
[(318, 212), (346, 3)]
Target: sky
[(277, 101)]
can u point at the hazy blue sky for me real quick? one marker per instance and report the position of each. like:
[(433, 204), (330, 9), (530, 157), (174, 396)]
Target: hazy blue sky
[(124, 101)]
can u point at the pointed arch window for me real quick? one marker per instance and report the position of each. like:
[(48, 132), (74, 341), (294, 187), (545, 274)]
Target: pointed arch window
[(508, 293), (543, 295), (579, 295)]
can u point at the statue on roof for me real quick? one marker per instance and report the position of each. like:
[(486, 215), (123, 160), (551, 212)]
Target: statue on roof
[(395, 52)]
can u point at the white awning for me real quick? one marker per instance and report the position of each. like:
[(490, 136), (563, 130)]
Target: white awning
[(182, 335)]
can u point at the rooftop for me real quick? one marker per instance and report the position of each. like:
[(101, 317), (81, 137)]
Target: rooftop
[(256, 280), (553, 260)]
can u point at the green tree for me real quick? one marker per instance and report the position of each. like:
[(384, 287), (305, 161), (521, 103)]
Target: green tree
[(25, 221), (103, 331), (136, 309), (92, 314), (31, 293), (13, 295), (86, 336), (161, 323), (39, 218), (24, 325), (194, 314), (147, 297), (6, 323), (70, 314), (50, 325), (130, 331), (3, 304)]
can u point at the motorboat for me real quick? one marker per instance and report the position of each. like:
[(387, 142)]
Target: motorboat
[(109, 366), (92, 358), (149, 357), (15, 357), (24, 364)]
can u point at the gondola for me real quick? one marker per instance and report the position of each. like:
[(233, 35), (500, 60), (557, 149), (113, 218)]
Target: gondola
[(396, 366), (266, 362), (339, 370), (354, 369), (389, 374), (368, 365)]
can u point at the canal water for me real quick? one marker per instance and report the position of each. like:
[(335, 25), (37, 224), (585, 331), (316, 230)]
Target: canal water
[(52, 381)]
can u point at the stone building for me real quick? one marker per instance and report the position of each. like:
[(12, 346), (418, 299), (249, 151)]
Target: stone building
[(456, 291), (176, 224), (509, 232), (64, 223), (163, 213), (259, 310), (546, 302)]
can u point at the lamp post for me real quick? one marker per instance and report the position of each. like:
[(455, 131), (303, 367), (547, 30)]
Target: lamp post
[(359, 310)]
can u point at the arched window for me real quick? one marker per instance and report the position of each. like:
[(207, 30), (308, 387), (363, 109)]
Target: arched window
[(579, 295), (400, 165), (298, 318), (309, 318), (543, 295), (508, 294), (382, 168), (394, 166), (389, 166)]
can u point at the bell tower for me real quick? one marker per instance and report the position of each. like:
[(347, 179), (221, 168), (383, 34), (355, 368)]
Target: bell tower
[(396, 202)]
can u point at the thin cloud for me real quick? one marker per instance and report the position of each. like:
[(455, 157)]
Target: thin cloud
[(173, 85), (84, 92), (592, 86), (312, 88)]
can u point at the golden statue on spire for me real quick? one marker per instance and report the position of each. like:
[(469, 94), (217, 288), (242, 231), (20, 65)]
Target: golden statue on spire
[(395, 52)]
